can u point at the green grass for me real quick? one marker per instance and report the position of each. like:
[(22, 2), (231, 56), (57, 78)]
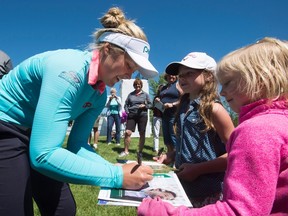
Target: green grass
[(86, 196)]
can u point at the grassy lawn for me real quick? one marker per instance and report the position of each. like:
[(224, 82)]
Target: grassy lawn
[(86, 196)]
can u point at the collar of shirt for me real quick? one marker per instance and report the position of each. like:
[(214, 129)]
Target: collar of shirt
[(93, 73), (138, 93), (194, 103)]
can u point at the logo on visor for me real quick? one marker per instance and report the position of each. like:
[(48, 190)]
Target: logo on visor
[(146, 49)]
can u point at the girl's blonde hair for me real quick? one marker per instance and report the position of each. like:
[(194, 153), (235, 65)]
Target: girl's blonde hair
[(263, 68), (115, 21), (208, 96)]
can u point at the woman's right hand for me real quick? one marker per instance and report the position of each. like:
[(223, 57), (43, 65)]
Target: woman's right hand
[(136, 176)]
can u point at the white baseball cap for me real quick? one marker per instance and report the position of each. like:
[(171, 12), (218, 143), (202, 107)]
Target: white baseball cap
[(195, 60), (136, 48)]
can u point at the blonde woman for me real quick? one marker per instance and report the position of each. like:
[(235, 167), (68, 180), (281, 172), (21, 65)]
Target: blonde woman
[(254, 83), (38, 99)]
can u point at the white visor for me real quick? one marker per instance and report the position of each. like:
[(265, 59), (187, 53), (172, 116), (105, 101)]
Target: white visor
[(136, 48)]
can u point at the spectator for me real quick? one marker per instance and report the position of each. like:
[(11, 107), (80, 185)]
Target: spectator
[(38, 99), (114, 113), (169, 96), (157, 119), (95, 134), (5, 64), (136, 105), (123, 122)]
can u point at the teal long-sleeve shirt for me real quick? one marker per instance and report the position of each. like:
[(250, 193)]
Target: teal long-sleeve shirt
[(44, 93)]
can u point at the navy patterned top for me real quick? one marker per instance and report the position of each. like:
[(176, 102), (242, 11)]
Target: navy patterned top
[(196, 146)]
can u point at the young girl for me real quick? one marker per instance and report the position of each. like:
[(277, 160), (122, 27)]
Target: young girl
[(202, 127), (254, 82)]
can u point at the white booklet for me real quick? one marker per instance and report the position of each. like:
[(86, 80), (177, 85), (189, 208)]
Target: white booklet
[(165, 185)]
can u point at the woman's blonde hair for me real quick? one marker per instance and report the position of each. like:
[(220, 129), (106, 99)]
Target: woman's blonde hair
[(263, 68), (115, 21)]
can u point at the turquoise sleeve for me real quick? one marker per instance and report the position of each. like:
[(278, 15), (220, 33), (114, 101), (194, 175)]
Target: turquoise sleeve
[(58, 102)]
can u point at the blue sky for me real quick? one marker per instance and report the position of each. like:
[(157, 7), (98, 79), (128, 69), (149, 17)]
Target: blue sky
[(174, 28)]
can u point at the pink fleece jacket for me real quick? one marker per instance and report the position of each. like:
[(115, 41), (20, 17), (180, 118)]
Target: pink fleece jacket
[(256, 181)]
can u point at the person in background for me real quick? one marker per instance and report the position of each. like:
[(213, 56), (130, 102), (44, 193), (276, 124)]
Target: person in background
[(95, 134), (203, 126), (169, 96), (136, 105), (254, 83), (157, 119), (123, 122), (114, 113), (5, 64), (38, 99)]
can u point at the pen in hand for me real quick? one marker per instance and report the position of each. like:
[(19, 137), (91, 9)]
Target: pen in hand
[(139, 158), (160, 152)]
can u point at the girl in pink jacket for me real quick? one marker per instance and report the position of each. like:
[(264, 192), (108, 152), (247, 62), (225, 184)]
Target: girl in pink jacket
[(254, 82)]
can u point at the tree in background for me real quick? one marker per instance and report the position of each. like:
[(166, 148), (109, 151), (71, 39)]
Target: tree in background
[(233, 115), (153, 84)]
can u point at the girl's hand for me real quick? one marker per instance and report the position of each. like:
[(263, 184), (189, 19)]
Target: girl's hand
[(136, 176), (165, 158), (160, 159), (188, 172)]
